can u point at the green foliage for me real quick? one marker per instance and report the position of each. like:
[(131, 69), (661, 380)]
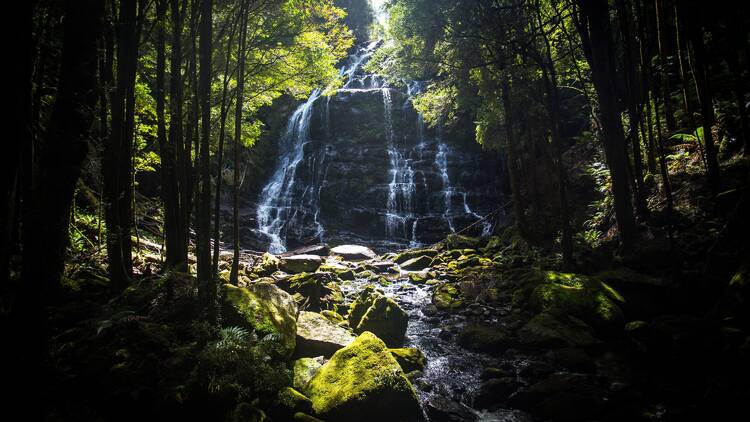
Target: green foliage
[(238, 366)]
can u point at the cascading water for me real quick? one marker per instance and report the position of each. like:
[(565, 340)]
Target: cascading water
[(364, 167), (276, 209)]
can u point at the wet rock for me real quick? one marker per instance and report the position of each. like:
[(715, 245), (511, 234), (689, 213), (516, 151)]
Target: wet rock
[(546, 330), (574, 359), (417, 264), (316, 335), (386, 319), (495, 392), (264, 309), (304, 369), (447, 297), (442, 409), (409, 358), (382, 267), (300, 263), (419, 277), (363, 382), (354, 252), (484, 338)]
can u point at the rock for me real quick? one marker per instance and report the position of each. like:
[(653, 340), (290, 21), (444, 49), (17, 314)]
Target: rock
[(363, 382), (246, 412), (300, 263), (459, 241), (492, 372), (574, 359), (446, 297), (291, 401), (318, 290), (320, 250), (316, 335), (443, 409), (483, 338), (409, 358), (334, 317), (387, 320), (647, 296), (419, 277), (564, 294), (495, 392), (546, 330), (414, 253), (382, 267), (417, 264), (264, 309), (268, 265), (354, 252), (304, 417), (304, 369)]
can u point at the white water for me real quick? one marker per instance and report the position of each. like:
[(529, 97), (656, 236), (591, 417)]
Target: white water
[(276, 208)]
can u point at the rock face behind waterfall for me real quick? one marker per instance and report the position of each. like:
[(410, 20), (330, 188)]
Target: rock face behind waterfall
[(371, 171)]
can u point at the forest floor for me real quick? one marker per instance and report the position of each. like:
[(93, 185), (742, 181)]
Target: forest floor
[(483, 329)]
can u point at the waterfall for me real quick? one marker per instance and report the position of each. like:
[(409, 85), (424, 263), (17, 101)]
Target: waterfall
[(276, 210), (441, 162), (399, 207)]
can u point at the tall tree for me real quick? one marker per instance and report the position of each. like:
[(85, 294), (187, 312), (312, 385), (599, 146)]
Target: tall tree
[(207, 286), (118, 151), (595, 31)]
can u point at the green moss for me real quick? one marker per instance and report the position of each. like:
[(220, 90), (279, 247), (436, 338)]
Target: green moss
[(386, 319), (292, 401), (409, 358), (363, 381), (547, 330), (268, 265), (303, 371), (265, 309), (484, 338), (447, 297)]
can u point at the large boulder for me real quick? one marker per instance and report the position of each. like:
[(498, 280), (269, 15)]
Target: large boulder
[(414, 253), (317, 335), (300, 263), (267, 265), (363, 382), (409, 358), (354, 252), (546, 330), (590, 300), (320, 250), (484, 338), (372, 311), (459, 241), (264, 309), (314, 291), (417, 264), (446, 297)]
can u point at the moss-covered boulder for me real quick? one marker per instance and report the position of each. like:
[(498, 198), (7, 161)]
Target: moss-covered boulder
[(447, 297), (414, 253), (386, 319), (300, 263), (316, 291), (484, 338), (291, 401), (409, 358), (303, 370), (317, 335), (547, 330), (363, 382), (264, 309), (268, 265), (582, 297), (417, 264), (459, 241)]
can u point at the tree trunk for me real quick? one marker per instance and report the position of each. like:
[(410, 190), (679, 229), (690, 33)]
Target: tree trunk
[(663, 37), (207, 284), (515, 189), (118, 151), (237, 144), (595, 33), (60, 160)]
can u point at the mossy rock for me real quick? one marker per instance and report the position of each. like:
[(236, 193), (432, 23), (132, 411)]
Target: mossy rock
[(304, 417), (268, 265), (547, 330), (246, 412), (419, 277), (459, 241), (303, 370), (580, 296), (447, 297), (386, 319), (362, 303), (484, 338), (316, 335), (363, 382), (300, 263), (334, 317), (317, 291), (264, 309), (417, 264), (409, 358), (291, 401), (414, 253)]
